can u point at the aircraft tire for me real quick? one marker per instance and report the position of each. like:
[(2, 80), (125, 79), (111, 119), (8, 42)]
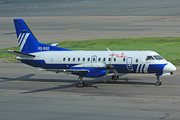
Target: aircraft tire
[(158, 83), (114, 78), (80, 85)]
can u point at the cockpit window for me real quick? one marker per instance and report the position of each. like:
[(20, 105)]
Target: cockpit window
[(149, 58), (158, 57)]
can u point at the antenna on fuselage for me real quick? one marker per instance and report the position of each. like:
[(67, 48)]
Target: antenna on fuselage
[(108, 49)]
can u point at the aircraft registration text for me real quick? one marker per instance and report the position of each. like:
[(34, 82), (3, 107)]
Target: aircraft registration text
[(43, 48)]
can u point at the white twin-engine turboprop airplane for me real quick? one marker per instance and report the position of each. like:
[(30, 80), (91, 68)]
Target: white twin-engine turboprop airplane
[(86, 63)]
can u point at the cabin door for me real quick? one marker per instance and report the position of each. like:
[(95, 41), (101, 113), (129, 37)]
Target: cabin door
[(94, 59), (129, 64)]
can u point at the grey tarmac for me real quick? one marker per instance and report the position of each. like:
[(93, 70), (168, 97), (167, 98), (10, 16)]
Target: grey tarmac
[(28, 93)]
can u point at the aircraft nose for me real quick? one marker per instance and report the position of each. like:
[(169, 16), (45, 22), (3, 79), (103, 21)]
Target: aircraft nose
[(169, 68)]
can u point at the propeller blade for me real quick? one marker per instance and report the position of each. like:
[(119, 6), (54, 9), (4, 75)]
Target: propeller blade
[(106, 75), (110, 66), (107, 72), (115, 72)]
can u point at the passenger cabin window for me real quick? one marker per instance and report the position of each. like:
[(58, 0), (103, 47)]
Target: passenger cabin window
[(109, 59), (88, 59), (158, 57), (83, 59), (114, 59), (104, 59), (68, 59), (149, 58), (78, 59), (93, 59), (99, 59), (124, 59), (136, 60), (64, 59), (73, 59)]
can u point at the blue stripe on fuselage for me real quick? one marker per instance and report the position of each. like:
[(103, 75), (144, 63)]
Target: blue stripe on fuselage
[(156, 68), (121, 68)]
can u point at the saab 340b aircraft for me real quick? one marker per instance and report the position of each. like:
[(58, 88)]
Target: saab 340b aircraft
[(86, 63)]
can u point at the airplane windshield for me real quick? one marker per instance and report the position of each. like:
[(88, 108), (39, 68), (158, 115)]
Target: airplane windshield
[(158, 57), (149, 58)]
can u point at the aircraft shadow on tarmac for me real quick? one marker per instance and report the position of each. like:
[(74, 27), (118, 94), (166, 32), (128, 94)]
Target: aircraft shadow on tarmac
[(8, 33), (88, 83)]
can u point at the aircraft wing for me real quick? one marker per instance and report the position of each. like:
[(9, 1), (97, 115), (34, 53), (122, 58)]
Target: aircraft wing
[(80, 68), (20, 54), (87, 70), (67, 70)]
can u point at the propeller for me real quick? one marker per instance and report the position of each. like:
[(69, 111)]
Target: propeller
[(111, 67)]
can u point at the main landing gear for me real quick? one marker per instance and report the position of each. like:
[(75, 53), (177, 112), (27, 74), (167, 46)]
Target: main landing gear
[(158, 81), (81, 83), (115, 77)]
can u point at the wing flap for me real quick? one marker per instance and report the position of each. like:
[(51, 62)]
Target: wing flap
[(20, 54)]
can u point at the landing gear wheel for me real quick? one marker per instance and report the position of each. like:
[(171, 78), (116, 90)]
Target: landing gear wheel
[(80, 85), (115, 77), (158, 83)]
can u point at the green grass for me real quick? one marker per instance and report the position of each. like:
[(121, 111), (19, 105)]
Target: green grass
[(7, 57), (168, 47)]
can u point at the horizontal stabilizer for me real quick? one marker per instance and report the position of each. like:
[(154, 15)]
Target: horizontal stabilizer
[(55, 44), (20, 54)]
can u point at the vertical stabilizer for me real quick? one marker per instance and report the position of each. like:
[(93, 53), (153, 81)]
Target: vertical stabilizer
[(27, 41)]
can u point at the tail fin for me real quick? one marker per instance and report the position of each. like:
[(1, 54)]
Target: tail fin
[(27, 41)]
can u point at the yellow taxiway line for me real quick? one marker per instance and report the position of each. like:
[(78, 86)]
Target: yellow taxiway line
[(15, 69), (73, 29), (35, 81), (139, 85), (131, 85)]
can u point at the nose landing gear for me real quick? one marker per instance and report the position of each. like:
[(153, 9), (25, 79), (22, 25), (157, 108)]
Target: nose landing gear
[(158, 81)]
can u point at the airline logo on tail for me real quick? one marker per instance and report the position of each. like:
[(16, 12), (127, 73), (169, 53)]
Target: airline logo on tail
[(22, 39)]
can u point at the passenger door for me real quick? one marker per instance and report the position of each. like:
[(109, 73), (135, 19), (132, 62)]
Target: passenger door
[(129, 64), (94, 59)]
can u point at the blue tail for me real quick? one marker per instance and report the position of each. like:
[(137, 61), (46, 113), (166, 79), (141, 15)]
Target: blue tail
[(27, 41)]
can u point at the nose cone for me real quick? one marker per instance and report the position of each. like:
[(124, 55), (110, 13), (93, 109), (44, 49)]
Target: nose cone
[(169, 68)]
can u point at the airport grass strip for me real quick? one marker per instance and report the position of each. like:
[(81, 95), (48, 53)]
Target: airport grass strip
[(168, 47)]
